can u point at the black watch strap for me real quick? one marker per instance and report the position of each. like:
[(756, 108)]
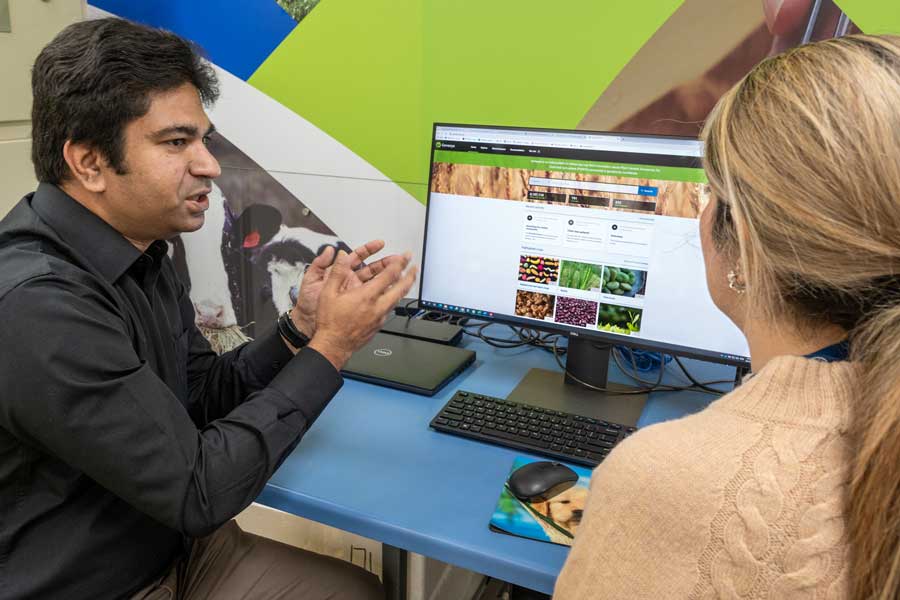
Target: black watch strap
[(289, 331)]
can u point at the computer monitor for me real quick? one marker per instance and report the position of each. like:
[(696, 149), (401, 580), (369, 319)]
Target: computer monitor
[(594, 235)]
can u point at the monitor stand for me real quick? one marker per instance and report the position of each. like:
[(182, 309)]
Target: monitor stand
[(588, 361)]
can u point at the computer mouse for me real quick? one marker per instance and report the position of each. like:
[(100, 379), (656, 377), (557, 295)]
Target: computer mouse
[(540, 481)]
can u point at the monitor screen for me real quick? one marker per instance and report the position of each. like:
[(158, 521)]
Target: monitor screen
[(574, 232)]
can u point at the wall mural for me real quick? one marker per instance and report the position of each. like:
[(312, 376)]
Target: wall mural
[(727, 38), (244, 266), (368, 79)]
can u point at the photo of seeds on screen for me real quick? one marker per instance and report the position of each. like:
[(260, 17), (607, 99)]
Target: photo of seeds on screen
[(534, 305), (576, 311)]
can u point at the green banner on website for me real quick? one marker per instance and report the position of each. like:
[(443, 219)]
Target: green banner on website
[(566, 165)]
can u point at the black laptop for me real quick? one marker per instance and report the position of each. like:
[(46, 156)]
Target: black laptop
[(408, 364)]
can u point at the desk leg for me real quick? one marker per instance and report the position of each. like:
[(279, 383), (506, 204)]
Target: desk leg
[(393, 571)]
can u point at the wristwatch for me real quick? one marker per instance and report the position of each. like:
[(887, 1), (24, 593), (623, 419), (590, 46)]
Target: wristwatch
[(289, 331)]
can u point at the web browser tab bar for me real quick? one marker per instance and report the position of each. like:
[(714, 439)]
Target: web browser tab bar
[(586, 141)]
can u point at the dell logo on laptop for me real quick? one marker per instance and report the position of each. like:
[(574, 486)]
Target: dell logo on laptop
[(383, 352)]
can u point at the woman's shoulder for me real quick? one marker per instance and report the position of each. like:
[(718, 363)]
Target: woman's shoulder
[(793, 403), (683, 453)]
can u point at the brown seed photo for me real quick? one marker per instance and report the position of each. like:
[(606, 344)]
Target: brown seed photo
[(534, 304)]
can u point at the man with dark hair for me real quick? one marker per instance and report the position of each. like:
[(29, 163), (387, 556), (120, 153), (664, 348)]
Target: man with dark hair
[(126, 444)]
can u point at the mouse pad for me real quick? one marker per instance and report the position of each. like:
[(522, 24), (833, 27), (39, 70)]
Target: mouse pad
[(555, 521)]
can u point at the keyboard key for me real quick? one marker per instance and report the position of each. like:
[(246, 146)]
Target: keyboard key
[(515, 438), (600, 446)]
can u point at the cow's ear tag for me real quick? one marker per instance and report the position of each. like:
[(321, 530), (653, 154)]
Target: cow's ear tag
[(251, 240)]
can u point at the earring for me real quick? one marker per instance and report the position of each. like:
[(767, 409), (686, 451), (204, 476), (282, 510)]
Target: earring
[(734, 284)]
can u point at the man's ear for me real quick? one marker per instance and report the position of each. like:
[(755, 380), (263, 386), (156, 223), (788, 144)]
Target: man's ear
[(86, 165)]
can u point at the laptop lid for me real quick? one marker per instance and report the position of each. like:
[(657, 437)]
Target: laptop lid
[(407, 364)]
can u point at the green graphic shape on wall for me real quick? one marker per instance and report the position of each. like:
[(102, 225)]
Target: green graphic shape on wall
[(873, 16), (375, 75)]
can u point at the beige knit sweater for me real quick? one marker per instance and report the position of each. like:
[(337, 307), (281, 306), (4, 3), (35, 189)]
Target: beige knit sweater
[(742, 500)]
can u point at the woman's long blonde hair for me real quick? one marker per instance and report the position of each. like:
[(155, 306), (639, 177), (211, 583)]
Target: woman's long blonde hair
[(804, 158)]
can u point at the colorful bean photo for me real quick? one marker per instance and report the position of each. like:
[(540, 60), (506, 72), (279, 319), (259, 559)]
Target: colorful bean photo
[(538, 269)]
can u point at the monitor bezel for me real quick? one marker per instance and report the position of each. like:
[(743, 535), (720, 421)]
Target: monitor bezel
[(560, 328)]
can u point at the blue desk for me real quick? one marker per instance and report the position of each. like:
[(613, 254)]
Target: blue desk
[(371, 465)]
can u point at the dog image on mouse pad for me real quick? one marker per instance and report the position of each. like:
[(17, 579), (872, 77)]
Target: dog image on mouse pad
[(542, 500)]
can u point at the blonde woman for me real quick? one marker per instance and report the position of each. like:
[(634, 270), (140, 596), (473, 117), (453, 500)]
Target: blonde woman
[(788, 486)]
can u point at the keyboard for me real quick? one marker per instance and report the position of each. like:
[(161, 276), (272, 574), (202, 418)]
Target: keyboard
[(564, 436)]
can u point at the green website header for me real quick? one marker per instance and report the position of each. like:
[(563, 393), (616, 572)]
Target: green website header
[(566, 165)]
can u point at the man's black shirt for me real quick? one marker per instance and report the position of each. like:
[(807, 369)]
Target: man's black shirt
[(121, 433)]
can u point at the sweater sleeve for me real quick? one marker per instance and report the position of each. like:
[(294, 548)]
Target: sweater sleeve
[(640, 536)]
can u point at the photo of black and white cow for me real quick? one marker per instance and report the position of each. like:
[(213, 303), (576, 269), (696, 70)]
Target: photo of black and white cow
[(245, 265)]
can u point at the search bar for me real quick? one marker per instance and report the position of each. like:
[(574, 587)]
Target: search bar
[(595, 186)]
